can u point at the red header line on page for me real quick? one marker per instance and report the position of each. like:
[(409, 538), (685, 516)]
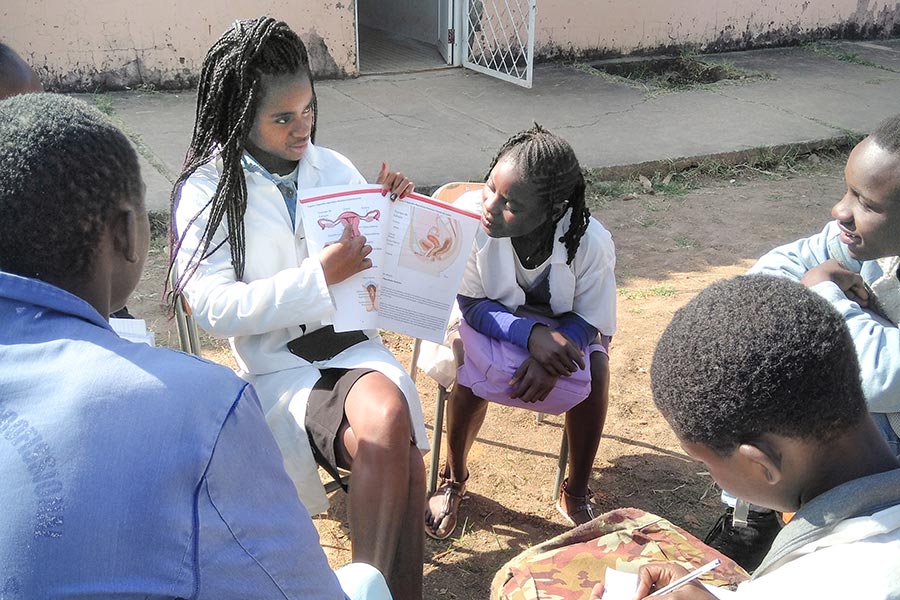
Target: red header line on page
[(371, 190)]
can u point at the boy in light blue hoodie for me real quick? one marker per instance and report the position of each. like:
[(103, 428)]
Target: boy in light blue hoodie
[(853, 263)]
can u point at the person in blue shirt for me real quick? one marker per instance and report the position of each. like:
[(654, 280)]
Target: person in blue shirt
[(128, 471), (16, 75)]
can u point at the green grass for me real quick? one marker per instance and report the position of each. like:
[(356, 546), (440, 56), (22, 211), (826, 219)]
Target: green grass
[(653, 205), (852, 57), (663, 291), (688, 70), (598, 193), (159, 226), (609, 189), (674, 181), (772, 163), (659, 291), (104, 104), (844, 56), (685, 242)]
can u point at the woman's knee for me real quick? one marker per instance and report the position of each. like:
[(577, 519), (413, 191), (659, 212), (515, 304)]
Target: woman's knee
[(463, 398), (376, 406), (599, 365), (599, 371)]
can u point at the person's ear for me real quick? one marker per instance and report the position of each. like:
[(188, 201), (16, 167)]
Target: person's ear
[(764, 459), (124, 231)]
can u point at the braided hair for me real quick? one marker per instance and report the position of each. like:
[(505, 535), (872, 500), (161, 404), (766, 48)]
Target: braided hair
[(229, 93), (548, 162)]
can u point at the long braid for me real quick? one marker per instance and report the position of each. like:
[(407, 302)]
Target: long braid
[(227, 98), (548, 162)]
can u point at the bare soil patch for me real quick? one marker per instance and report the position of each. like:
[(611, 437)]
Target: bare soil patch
[(669, 248)]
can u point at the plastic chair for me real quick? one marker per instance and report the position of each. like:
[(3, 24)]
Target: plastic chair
[(189, 340), (450, 193)]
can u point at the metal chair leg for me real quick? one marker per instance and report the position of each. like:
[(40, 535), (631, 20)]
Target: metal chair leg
[(181, 327), (188, 336), (438, 434), (193, 336), (561, 465), (414, 359)]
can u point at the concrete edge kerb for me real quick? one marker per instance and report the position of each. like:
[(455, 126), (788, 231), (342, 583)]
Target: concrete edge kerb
[(670, 165), (734, 157)]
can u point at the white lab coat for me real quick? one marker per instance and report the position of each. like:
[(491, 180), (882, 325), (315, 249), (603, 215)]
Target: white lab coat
[(282, 288)]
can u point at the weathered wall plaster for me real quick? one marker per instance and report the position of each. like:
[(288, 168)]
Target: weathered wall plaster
[(577, 28), (114, 44)]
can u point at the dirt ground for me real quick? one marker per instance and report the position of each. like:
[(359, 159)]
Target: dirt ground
[(669, 247)]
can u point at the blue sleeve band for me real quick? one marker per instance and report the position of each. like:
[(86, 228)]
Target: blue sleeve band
[(495, 320)]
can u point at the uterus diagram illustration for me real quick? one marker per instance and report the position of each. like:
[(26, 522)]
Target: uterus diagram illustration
[(370, 297), (431, 243), (348, 217)]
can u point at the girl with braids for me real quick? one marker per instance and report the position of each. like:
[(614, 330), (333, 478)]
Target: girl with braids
[(539, 291), (337, 399)]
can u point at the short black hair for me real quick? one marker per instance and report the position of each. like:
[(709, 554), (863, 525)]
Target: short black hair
[(887, 134), (755, 355), (63, 167)]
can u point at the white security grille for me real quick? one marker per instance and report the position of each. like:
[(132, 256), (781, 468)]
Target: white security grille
[(499, 38)]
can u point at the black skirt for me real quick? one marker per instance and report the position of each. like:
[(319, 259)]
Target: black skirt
[(325, 414)]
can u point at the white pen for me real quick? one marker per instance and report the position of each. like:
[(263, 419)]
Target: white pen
[(687, 578)]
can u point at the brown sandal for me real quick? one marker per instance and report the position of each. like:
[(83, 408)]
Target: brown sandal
[(453, 493), (578, 509)]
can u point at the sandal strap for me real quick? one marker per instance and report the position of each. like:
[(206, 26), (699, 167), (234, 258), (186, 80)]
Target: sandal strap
[(583, 506), (451, 493), (447, 480), (578, 503), (450, 487), (582, 499)]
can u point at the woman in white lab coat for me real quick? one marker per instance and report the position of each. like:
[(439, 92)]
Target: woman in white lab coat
[(336, 399)]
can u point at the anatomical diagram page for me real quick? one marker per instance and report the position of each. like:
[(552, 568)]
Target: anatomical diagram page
[(419, 251)]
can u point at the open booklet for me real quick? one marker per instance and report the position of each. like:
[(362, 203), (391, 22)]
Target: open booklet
[(419, 251)]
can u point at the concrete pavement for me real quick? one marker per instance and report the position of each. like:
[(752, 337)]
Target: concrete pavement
[(446, 125)]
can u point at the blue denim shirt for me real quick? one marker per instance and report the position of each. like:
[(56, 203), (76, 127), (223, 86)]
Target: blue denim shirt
[(131, 471)]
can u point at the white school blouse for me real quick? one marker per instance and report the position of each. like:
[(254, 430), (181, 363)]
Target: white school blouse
[(587, 287)]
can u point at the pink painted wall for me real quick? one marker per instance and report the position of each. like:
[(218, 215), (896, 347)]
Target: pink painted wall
[(86, 44), (92, 44), (625, 26)]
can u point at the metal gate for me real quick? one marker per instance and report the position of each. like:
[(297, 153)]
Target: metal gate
[(498, 38)]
